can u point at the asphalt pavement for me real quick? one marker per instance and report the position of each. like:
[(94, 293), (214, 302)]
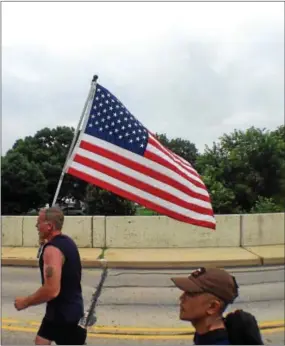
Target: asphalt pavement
[(139, 307), (26, 338)]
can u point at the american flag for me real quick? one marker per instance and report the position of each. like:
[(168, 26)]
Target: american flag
[(117, 153)]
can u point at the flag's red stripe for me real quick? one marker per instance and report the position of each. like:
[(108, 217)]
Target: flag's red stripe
[(186, 165), (137, 199), (177, 160), (140, 185), (151, 156), (181, 159), (188, 168), (171, 155), (143, 169), (184, 162)]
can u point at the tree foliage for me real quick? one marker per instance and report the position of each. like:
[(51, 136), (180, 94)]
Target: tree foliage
[(247, 165), (244, 172), (265, 205), (23, 184), (48, 149)]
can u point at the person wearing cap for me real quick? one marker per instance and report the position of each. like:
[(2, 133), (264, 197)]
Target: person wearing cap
[(206, 295)]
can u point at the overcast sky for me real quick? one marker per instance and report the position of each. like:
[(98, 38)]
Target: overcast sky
[(190, 70)]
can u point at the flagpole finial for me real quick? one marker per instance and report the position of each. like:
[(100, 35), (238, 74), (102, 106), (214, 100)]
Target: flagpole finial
[(95, 77)]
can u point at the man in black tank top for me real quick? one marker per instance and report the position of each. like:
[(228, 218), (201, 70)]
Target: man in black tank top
[(60, 268)]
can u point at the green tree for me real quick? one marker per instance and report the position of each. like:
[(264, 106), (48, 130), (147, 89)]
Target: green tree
[(23, 185), (48, 149), (250, 164), (279, 194), (266, 205), (222, 198), (102, 202)]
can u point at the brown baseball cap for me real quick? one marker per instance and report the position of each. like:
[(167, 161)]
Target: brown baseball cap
[(209, 280)]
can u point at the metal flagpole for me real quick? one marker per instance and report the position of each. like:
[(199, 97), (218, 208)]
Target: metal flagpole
[(85, 111)]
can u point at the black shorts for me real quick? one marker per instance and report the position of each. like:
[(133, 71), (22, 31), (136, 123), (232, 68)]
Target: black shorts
[(62, 334)]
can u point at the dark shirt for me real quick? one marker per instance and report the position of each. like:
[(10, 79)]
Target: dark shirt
[(214, 337), (67, 307)]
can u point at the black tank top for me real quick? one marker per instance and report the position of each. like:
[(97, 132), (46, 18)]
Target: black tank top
[(67, 307)]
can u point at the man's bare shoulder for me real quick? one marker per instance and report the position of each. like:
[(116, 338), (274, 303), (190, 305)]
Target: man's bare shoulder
[(52, 253)]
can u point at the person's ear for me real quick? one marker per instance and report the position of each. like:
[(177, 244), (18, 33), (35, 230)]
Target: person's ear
[(214, 307), (50, 227)]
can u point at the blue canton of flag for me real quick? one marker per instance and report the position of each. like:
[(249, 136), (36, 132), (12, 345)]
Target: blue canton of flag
[(110, 121)]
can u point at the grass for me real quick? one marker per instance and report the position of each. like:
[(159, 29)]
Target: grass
[(145, 212), (102, 253)]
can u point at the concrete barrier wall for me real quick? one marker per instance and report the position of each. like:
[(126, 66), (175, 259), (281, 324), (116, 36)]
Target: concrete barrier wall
[(152, 231), (12, 230), (263, 229), (163, 232), (86, 231), (30, 233), (99, 231)]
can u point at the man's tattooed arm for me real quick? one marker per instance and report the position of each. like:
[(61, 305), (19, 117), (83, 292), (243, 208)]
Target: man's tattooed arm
[(52, 277), (49, 272)]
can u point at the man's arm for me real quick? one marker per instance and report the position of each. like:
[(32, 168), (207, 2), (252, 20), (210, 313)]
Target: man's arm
[(52, 275)]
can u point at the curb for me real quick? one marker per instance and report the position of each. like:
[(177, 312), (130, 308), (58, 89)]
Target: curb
[(149, 258), (182, 264), (99, 261), (20, 262)]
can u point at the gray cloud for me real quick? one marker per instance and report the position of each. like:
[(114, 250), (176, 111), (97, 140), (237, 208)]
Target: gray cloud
[(183, 85)]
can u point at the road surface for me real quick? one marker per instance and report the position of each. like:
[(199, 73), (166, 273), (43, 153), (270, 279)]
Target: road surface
[(139, 307)]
